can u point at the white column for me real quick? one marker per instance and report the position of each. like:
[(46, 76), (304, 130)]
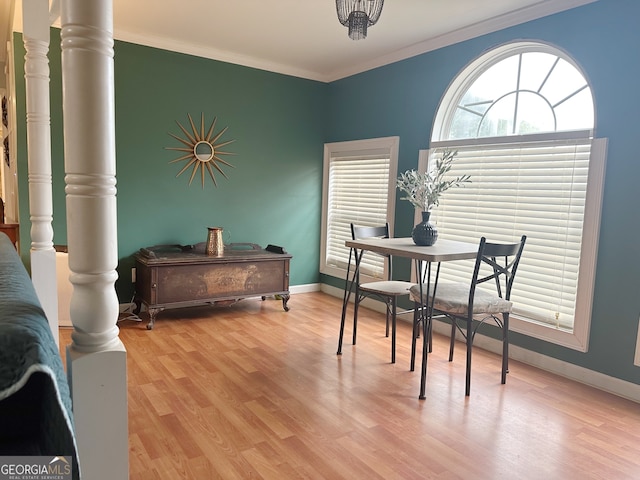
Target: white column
[(35, 14), (96, 358)]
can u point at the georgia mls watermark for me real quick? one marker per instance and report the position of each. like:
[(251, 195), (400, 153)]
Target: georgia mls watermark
[(35, 468)]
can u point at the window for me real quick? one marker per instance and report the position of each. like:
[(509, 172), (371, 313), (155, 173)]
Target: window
[(358, 187), (521, 118)]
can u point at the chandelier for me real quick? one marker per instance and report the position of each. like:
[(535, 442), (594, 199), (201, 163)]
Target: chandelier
[(358, 15)]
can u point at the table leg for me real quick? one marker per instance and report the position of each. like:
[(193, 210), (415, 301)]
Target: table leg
[(394, 308), (348, 288), (424, 319), (426, 308), (415, 333)]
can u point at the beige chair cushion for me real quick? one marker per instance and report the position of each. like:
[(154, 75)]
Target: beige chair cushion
[(389, 288), (453, 298)]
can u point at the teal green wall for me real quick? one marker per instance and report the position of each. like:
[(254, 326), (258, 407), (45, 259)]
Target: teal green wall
[(273, 193), (280, 123), (603, 37)]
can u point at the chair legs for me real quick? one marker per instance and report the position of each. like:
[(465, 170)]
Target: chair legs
[(467, 385), (469, 341), (417, 309), (394, 303), (452, 339), (391, 307), (505, 347), (355, 315)]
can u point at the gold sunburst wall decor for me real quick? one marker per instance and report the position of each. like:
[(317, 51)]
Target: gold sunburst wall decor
[(202, 150)]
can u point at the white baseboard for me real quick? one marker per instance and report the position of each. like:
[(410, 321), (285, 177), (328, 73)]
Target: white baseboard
[(308, 288), (613, 385)]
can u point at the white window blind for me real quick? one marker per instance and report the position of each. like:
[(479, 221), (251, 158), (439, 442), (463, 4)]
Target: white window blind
[(532, 188), (358, 185)]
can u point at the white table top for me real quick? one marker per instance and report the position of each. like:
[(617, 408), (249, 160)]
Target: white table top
[(442, 251)]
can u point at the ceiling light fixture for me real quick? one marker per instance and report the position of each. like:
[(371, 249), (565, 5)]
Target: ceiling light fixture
[(358, 15)]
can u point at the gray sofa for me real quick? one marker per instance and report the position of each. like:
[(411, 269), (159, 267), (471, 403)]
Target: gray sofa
[(36, 415)]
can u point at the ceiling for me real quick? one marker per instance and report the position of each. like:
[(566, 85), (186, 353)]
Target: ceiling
[(303, 38)]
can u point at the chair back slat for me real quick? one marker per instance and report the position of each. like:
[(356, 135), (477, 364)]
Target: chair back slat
[(503, 259), (501, 249), (379, 231), (360, 232)]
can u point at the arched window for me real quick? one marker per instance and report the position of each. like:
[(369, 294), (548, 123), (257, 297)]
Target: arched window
[(517, 89), (521, 118)]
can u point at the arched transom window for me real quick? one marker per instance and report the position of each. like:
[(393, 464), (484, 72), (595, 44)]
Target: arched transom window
[(521, 118), (517, 89)]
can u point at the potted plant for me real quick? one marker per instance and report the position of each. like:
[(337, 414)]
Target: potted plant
[(423, 190)]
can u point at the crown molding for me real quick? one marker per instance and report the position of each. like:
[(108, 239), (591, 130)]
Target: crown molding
[(216, 54)]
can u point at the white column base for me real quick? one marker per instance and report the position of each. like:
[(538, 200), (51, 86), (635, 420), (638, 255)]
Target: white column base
[(99, 393)]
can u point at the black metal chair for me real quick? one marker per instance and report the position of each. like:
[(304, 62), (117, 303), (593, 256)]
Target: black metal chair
[(386, 290), (468, 307)]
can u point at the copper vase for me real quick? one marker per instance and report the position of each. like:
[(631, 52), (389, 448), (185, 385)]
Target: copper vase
[(215, 245)]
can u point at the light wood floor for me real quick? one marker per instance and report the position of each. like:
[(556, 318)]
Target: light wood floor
[(253, 392)]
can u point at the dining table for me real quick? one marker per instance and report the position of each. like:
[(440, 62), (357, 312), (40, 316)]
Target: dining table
[(444, 250)]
